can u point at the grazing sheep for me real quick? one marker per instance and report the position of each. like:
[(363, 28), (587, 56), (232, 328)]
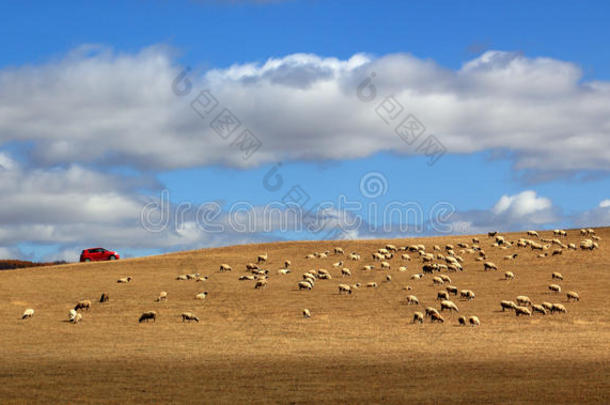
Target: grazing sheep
[(28, 313), (244, 278), (474, 321), (146, 316), (507, 305), (104, 297), (536, 246), (385, 265), (204, 278), (462, 320), (557, 252), (573, 295), (189, 316), (323, 255), (523, 300), (445, 278), (162, 296), (442, 295), (124, 280), (262, 258), (388, 278), (372, 284), (283, 271), (287, 263), (412, 300), (354, 256), (405, 256), (368, 267), (225, 267), (538, 308), (557, 275), (192, 276), (511, 257), (572, 246), (468, 294), (430, 311), (345, 289), (451, 289), (339, 251), (435, 316), (558, 308), (260, 284), (306, 313), (437, 280), (489, 266), (547, 305), (450, 305), (338, 264), (201, 296), (305, 285), (84, 304), (522, 311), (402, 269), (587, 244), (418, 317), (533, 233), (416, 276), (182, 277), (75, 317), (554, 288), (430, 268), (509, 275), (251, 266)]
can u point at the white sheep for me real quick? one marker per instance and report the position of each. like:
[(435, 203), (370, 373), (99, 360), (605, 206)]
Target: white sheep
[(385, 265), (283, 271), (418, 317), (573, 295), (558, 308), (523, 300), (412, 300), (189, 316), (474, 321), (305, 285), (507, 305), (437, 280), (467, 294), (451, 289), (533, 233), (201, 296), (435, 316), (557, 275), (345, 289), (522, 311), (489, 266), (555, 288), (445, 278), (260, 284), (462, 320), (339, 251), (162, 296), (146, 316), (124, 280), (416, 276), (442, 295), (306, 313), (539, 308), (262, 258), (405, 256), (547, 305), (372, 284), (450, 305), (225, 267)]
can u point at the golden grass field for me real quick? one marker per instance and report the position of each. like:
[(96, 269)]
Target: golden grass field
[(254, 346)]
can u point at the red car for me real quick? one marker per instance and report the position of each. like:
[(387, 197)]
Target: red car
[(98, 254)]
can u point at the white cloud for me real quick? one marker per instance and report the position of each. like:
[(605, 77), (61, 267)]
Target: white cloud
[(98, 106), (520, 205), (604, 204)]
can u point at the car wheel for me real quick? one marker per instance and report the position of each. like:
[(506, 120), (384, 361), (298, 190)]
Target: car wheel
[(87, 260), (112, 258)]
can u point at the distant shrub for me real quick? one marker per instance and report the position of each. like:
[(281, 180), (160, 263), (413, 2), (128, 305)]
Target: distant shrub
[(21, 264)]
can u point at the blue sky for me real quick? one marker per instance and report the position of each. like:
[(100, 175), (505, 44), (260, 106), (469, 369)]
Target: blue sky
[(72, 115)]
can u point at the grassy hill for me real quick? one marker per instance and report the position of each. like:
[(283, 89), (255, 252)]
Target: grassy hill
[(253, 345)]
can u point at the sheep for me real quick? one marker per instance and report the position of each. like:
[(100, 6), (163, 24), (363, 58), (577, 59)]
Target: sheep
[(509, 275), (555, 288), (445, 278), (587, 244), (244, 278), (338, 264), (388, 278), (262, 258), (84, 304), (104, 298), (451, 289), (402, 269), (539, 308), (583, 232), (251, 266), (547, 305), (418, 317), (305, 285), (489, 266), (572, 246), (507, 305), (453, 267), (345, 289), (339, 251), (511, 257), (523, 300), (378, 257), (368, 267), (146, 316), (474, 321), (372, 284), (557, 252), (533, 233), (468, 294), (182, 277), (416, 276), (28, 313), (283, 271), (573, 295), (541, 255), (356, 286), (442, 295), (306, 313), (536, 246), (522, 311), (204, 278), (412, 300), (558, 308), (596, 238), (430, 268), (75, 317), (354, 256), (225, 267), (405, 256), (260, 284), (162, 296), (201, 296), (124, 280), (437, 280), (450, 305), (557, 275), (431, 310), (192, 276), (492, 234), (435, 316), (462, 320)]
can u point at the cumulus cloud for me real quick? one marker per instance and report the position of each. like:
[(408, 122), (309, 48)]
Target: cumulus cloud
[(99, 106), (604, 204)]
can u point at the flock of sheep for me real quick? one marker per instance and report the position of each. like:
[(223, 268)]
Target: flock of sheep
[(438, 261)]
